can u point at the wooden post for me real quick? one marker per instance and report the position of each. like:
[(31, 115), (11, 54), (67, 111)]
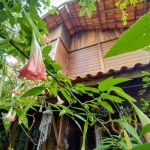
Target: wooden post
[(59, 133), (98, 135), (54, 128)]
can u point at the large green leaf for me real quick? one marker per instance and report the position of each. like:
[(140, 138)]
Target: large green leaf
[(111, 98), (142, 147), (109, 82), (84, 134), (34, 91), (145, 129), (3, 15), (107, 106), (46, 50), (132, 131), (25, 122), (121, 93), (136, 37)]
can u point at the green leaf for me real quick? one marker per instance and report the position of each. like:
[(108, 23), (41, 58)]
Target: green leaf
[(135, 38), (1, 85), (142, 147), (79, 117), (82, 11), (84, 134), (77, 123), (89, 12), (62, 112), (16, 7), (9, 15), (23, 58), (76, 91), (120, 80), (92, 6), (66, 94), (111, 98), (109, 82), (33, 3), (25, 122), (107, 106), (82, 3), (3, 15), (4, 68), (19, 111), (102, 147), (46, 50), (34, 91), (121, 93), (132, 131), (145, 130)]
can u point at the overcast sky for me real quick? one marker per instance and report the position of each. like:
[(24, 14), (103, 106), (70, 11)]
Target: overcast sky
[(55, 3)]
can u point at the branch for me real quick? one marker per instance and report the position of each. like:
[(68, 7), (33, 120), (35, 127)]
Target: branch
[(14, 45), (61, 84)]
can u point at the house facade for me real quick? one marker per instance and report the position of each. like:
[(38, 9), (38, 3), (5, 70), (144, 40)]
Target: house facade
[(79, 44)]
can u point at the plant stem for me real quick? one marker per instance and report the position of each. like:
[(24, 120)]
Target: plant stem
[(14, 45), (61, 84)]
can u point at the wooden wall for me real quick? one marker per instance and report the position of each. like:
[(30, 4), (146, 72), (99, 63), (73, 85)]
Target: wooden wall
[(82, 53), (90, 37), (87, 49), (53, 51), (61, 56), (60, 32), (127, 59), (84, 61)]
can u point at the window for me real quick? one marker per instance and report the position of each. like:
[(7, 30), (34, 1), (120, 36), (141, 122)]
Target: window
[(23, 142)]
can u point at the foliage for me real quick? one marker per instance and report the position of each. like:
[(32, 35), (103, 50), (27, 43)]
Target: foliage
[(135, 38), (123, 5), (88, 6), (18, 19)]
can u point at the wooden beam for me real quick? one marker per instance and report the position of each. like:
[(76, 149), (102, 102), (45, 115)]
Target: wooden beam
[(63, 21), (59, 132), (98, 135), (144, 6), (54, 128), (75, 12), (99, 18), (52, 28), (73, 24), (93, 25), (107, 10)]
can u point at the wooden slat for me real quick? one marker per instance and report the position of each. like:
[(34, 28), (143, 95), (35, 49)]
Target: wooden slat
[(101, 58), (86, 38), (61, 56), (54, 128), (84, 61), (127, 59)]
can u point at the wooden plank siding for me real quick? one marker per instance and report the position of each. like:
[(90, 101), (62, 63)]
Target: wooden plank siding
[(61, 56), (127, 59), (60, 32), (84, 61), (86, 50), (53, 51), (90, 37)]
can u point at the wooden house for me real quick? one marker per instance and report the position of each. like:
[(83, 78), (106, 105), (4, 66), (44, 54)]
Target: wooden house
[(79, 44)]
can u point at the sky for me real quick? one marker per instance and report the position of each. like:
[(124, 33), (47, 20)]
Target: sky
[(55, 3)]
